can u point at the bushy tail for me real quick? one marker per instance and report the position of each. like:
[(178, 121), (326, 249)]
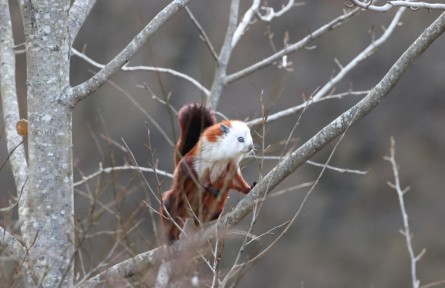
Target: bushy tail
[(193, 119)]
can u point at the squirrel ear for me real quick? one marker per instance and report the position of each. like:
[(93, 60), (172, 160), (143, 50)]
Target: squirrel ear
[(224, 129)]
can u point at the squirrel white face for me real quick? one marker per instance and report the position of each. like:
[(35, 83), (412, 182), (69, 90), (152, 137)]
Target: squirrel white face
[(226, 140)]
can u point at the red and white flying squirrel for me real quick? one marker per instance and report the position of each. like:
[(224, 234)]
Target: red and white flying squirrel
[(207, 158)]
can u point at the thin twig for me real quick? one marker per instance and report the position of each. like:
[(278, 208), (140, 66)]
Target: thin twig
[(290, 189), (433, 284), (145, 68), (406, 232), (271, 13), (330, 167), (143, 111), (203, 33), (120, 168), (337, 169), (310, 101)]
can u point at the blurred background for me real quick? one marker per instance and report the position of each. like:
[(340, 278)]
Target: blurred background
[(347, 234)]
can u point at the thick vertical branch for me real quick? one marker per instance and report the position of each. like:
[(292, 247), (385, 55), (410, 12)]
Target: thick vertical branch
[(78, 13), (8, 243), (48, 226), (219, 79), (9, 99)]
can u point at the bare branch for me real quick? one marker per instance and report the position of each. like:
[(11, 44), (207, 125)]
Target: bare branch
[(253, 10), (406, 230), (321, 165), (271, 13), (290, 189), (145, 68), (337, 169), (120, 168), (247, 19), (391, 4), (293, 110), (367, 52), (433, 284), (224, 57), (292, 47), (203, 34), (145, 112), (82, 91), (78, 13)]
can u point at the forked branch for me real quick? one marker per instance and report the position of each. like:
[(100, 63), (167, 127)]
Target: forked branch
[(82, 91)]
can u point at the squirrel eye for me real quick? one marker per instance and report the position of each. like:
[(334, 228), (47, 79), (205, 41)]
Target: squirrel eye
[(240, 139)]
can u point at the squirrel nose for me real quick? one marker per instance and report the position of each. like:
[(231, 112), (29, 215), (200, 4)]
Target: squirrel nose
[(250, 148)]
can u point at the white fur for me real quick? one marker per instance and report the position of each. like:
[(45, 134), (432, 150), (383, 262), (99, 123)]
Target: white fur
[(216, 155)]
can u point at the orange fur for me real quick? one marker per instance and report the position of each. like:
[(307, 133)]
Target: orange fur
[(214, 132)]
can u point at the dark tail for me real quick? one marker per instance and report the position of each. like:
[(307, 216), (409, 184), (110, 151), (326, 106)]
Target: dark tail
[(193, 120)]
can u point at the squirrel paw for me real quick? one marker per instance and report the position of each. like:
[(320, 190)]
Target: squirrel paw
[(253, 185)]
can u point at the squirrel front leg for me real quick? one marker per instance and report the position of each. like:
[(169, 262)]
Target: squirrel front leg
[(239, 184)]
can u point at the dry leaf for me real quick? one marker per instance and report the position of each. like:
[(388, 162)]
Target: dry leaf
[(22, 127)]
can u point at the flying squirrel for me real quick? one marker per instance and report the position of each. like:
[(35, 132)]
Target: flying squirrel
[(207, 157)]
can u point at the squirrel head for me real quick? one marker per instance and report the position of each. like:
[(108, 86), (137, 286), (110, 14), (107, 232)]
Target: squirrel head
[(227, 140)]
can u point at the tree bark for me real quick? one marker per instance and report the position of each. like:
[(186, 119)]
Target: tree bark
[(47, 227)]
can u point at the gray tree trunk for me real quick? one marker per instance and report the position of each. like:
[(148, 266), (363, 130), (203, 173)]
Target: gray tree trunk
[(47, 227)]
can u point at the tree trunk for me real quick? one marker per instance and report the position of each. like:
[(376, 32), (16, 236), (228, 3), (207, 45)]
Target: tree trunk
[(47, 227)]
